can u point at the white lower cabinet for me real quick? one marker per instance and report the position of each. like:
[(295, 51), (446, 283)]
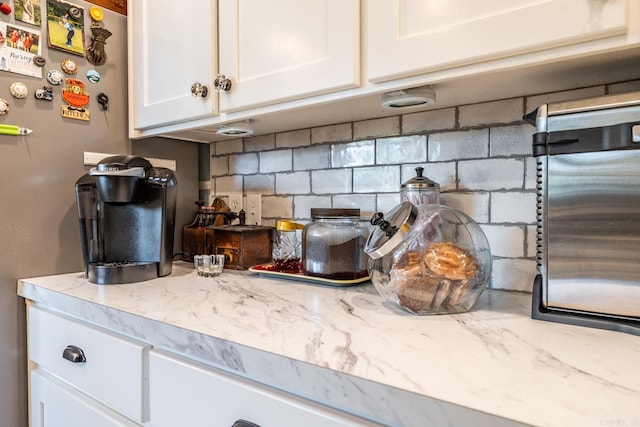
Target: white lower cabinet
[(56, 404), (89, 364), (185, 393), (81, 375)]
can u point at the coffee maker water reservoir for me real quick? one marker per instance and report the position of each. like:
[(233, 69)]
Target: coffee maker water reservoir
[(126, 210)]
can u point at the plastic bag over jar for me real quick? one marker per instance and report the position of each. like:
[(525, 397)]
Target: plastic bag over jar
[(428, 259)]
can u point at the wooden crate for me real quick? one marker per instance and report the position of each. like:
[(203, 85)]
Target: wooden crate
[(243, 245)]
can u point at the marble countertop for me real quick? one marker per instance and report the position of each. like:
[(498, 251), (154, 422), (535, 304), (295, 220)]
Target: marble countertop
[(346, 347)]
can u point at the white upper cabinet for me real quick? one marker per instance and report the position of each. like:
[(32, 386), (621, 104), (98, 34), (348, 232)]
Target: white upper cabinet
[(171, 47), (279, 50), (410, 37)]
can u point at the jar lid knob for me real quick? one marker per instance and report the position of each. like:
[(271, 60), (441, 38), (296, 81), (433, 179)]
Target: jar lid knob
[(378, 219), (419, 171)]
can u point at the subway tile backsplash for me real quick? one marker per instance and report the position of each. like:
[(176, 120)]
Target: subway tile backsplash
[(480, 155)]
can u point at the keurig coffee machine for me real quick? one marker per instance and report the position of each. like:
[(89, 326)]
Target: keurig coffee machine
[(126, 210)]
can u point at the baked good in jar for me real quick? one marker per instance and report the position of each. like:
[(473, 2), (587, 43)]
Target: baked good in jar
[(450, 261)]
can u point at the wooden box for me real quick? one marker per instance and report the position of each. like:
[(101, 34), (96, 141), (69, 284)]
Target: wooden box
[(243, 245)]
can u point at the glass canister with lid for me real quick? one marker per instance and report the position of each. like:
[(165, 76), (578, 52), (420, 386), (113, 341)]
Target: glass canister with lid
[(333, 244), (420, 190), (428, 259)]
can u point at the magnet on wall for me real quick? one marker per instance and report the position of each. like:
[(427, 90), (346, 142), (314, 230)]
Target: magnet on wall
[(69, 67), (55, 77), (95, 53), (103, 100), (96, 13), (46, 93), (4, 107), (18, 90), (40, 61), (5, 8), (73, 94), (93, 76)]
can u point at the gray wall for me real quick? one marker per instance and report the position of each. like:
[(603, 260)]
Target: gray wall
[(39, 232)]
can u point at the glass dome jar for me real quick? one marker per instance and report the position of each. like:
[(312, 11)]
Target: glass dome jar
[(333, 245), (428, 259)]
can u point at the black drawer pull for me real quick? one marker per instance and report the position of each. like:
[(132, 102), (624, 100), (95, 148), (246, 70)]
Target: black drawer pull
[(243, 423), (74, 354)]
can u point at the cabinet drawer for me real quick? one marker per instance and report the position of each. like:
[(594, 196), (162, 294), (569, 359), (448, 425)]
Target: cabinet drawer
[(54, 403), (185, 393), (115, 371)]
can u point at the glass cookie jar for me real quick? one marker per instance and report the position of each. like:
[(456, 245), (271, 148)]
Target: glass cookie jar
[(428, 259)]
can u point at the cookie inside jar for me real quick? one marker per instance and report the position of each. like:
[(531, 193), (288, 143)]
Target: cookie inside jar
[(431, 259)]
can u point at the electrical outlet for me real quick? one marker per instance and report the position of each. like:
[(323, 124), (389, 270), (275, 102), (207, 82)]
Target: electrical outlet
[(253, 209), (235, 202)]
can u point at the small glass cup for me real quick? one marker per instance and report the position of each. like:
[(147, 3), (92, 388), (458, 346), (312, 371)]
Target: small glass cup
[(209, 265)]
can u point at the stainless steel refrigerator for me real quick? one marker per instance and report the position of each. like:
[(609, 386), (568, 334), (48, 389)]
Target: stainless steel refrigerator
[(39, 232)]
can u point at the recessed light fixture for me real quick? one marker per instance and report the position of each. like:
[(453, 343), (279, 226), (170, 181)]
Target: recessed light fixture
[(243, 128), (406, 98)]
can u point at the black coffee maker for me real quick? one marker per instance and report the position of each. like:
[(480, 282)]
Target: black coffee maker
[(126, 210)]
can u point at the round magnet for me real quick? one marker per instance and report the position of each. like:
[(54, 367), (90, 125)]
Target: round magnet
[(75, 12), (69, 67), (18, 90), (55, 77), (4, 107), (96, 13), (39, 60), (93, 76)]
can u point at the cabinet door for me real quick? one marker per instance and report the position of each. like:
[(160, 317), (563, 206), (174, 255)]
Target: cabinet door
[(184, 393), (409, 37), (172, 45), (54, 404), (281, 50)]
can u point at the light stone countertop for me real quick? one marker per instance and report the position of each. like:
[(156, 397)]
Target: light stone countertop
[(346, 347)]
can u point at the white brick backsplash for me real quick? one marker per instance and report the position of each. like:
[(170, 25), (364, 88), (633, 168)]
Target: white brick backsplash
[(277, 207), (513, 207), (242, 164), (480, 155), (491, 174), (276, 161), (486, 113), (534, 102), (400, 148), (260, 143), (531, 175), (513, 274), (293, 183), (303, 205), (219, 165), (227, 147), (459, 145), (264, 184), (333, 133), (331, 181), (476, 205), (511, 140), (429, 120), (316, 157), (505, 241), (361, 153), (532, 241), (379, 179), (387, 126), (442, 173), (296, 138), (227, 184), (365, 202), (386, 202)]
